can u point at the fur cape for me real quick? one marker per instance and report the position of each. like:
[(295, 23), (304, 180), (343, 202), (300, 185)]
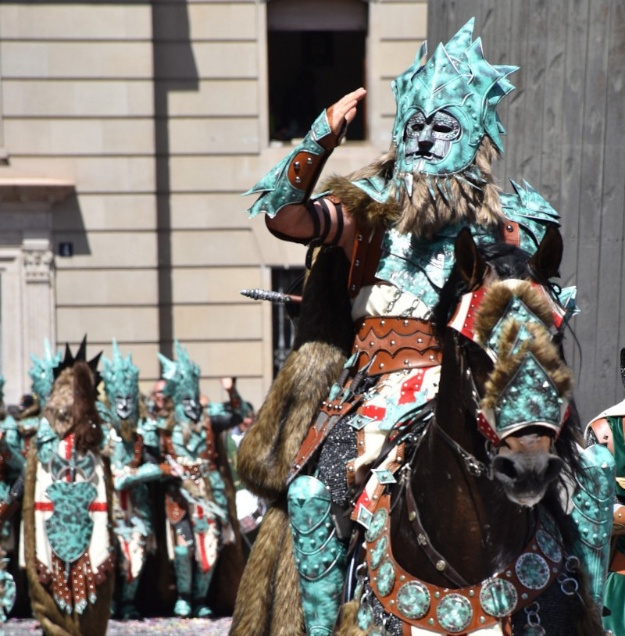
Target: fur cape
[(268, 599)]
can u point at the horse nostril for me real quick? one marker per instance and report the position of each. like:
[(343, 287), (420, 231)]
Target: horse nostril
[(554, 466), (505, 467)]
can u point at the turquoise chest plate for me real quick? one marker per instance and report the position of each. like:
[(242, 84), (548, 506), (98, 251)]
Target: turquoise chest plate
[(194, 446), (69, 528), (422, 267)]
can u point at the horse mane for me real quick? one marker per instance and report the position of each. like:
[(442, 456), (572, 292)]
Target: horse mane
[(508, 261)]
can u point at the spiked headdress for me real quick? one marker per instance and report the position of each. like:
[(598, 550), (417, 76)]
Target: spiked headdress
[(458, 80), (69, 359), (182, 376), (120, 375), (42, 372)]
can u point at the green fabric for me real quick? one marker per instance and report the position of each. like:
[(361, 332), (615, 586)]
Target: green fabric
[(619, 451), (183, 569), (614, 597)]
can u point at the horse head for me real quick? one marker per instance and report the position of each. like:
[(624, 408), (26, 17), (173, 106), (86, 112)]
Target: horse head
[(507, 326)]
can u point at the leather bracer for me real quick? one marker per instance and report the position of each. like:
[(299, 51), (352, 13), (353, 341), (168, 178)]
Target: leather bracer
[(294, 178)]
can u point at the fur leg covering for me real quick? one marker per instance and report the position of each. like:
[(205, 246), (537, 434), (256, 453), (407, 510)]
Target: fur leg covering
[(324, 338), (268, 600)]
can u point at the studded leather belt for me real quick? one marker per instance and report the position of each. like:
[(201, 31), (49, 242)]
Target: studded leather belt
[(392, 344)]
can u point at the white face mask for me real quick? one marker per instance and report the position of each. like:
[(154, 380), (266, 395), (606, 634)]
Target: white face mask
[(124, 406)]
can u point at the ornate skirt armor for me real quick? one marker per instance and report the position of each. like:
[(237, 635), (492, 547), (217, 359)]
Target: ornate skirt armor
[(131, 507), (199, 496)]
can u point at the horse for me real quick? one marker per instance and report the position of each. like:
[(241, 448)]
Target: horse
[(469, 533)]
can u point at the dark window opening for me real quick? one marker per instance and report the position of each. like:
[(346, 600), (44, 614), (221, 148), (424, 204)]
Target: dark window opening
[(309, 71), (285, 281)]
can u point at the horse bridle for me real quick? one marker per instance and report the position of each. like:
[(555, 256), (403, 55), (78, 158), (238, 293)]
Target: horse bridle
[(474, 466)]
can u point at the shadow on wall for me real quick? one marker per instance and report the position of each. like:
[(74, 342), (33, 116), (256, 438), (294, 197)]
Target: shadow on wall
[(72, 241), (174, 70)]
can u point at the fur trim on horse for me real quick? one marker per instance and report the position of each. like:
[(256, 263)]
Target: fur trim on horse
[(58, 410), (544, 351), (268, 598), (324, 338), (499, 295), (71, 407)]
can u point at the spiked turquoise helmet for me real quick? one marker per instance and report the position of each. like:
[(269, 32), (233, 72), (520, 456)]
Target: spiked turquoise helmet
[(461, 90), (41, 372), (121, 382), (182, 378)]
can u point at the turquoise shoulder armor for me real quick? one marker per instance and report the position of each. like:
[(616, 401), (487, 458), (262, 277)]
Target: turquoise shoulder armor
[(531, 211)]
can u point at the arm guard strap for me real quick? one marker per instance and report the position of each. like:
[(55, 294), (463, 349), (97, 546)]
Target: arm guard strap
[(321, 217)]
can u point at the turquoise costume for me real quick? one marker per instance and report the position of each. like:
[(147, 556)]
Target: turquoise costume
[(196, 503), (11, 468), (605, 431), (131, 472), (446, 131), (68, 542)]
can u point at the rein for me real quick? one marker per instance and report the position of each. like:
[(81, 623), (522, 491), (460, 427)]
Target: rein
[(474, 466)]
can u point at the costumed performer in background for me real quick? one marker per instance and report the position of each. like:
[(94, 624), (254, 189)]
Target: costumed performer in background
[(608, 429), (133, 465), (69, 544), (196, 502)]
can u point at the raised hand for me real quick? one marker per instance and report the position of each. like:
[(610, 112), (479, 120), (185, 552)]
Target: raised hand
[(343, 112)]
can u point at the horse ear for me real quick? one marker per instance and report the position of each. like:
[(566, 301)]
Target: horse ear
[(546, 260), (471, 266)]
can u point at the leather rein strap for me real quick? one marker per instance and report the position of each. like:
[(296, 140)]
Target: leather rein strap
[(433, 555)]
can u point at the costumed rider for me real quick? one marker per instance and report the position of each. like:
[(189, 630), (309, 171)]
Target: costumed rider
[(388, 232), (196, 502), (605, 434), (69, 545), (132, 466)]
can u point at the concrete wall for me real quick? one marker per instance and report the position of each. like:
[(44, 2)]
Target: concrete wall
[(156, 114)]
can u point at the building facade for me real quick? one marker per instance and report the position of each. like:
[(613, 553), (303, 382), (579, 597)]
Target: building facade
[(129, 131)]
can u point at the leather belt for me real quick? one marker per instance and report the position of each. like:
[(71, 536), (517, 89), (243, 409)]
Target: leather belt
[(393, 344)]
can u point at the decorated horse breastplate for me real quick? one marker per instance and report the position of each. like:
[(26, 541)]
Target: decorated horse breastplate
[(462, 610)]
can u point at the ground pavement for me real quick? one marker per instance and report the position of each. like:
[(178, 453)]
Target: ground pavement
[(147, 627)]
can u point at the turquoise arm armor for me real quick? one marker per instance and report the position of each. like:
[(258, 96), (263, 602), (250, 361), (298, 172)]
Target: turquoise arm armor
[(143, 474), (294, 178)]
